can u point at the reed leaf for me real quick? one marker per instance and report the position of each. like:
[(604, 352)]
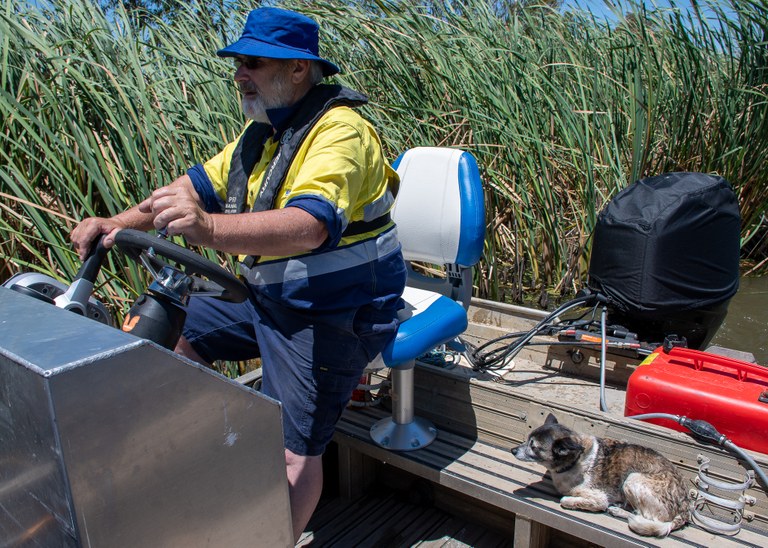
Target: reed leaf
[(561, 109)]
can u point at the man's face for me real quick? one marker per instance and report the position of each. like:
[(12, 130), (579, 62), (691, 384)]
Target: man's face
[(264, 84)]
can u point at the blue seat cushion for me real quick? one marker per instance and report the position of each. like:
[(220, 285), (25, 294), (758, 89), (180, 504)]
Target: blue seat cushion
[(427, 321)]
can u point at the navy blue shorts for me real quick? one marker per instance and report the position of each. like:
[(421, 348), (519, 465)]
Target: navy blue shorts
[(311, 362)]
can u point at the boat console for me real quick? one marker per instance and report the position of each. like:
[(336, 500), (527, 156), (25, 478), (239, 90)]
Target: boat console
[(107, 439)]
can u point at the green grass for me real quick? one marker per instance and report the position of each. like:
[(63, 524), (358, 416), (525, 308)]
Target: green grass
[(561, 110)]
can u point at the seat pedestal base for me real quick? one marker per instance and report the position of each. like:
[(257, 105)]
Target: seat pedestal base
[(403, 431), (403, 437)]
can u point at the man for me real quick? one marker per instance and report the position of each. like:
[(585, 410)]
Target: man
[(303, 197)]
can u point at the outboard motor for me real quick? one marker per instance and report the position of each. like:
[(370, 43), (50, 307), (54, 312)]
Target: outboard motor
[(666, 255)]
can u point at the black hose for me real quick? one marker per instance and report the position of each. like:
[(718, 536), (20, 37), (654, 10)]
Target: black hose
[(705, 432)]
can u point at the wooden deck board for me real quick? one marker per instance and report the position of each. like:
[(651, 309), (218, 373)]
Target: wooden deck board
[(490, 473), (415, 533), (381, 520)]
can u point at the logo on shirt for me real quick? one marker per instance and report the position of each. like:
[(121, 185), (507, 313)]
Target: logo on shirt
[(268, 176), (231, 205)]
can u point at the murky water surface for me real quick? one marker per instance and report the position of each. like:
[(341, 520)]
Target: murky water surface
[(746, 326)]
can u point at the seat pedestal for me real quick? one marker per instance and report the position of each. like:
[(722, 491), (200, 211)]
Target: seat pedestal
[(440, 217), (403, 431)]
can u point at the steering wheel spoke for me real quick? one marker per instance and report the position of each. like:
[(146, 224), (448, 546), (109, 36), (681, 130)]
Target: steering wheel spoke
[(207, 278), (146, 258)]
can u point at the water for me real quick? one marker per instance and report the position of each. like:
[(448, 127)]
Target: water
[(746, 325)]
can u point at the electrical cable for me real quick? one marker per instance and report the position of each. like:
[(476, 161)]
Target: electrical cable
[(499, 357)]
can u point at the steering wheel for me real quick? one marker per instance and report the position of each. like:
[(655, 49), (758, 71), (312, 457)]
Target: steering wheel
[(207, 278), (193, 275)]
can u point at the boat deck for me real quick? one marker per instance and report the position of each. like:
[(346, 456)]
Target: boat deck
[(480, 416), (466, 488), (493, 489), (386, 518)]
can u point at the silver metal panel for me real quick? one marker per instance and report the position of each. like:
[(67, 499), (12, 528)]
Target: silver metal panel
[(171, 447), (46, 338), (139, 446), (34, 502)]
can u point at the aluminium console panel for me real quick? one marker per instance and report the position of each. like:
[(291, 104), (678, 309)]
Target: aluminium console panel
[(110, 440)]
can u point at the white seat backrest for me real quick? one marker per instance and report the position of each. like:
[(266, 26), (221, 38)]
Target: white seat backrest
[(439, 209)]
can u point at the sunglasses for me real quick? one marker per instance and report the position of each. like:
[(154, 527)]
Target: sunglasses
[(250, 63)]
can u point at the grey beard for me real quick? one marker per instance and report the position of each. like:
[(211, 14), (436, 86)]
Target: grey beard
[(255, 109)]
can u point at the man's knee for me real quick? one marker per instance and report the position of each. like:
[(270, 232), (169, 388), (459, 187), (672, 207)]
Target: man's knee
[(183, 348), (303, 468)]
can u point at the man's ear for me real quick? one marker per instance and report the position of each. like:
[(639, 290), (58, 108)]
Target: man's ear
[(300, 71)]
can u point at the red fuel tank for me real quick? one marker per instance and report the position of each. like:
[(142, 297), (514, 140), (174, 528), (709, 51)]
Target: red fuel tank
[(731, 395)]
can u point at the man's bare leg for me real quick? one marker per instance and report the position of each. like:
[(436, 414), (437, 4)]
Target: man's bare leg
[(185, 349), (305, 484)]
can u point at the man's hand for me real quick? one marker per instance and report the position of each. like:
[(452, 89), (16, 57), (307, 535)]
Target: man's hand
[(177, 209), (87, 232), (139, 217)]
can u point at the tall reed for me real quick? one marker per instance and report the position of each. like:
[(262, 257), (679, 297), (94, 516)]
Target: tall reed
[(562, 110), (96, 114)]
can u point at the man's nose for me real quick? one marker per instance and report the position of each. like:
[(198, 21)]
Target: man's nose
[(241, 75)]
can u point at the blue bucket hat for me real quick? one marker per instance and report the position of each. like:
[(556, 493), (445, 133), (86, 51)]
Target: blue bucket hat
[(279, 34)]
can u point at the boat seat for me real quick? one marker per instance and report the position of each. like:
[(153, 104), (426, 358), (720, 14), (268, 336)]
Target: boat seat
[(440, 216)]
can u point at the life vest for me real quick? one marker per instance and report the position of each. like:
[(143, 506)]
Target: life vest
[(319, 100)]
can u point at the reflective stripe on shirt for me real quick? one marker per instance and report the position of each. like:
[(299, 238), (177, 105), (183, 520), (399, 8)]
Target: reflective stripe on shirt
[(327, 262)]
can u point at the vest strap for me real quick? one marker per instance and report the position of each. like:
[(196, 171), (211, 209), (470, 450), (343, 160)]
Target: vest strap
[(361, 227), (319, 100), (249, 149)]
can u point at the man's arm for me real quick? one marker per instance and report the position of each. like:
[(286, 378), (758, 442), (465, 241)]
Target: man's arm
[(278, 232), (271, 233), (89, 229)]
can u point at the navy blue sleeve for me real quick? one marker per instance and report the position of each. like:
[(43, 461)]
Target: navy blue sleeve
[(204, 188), (323, 210)]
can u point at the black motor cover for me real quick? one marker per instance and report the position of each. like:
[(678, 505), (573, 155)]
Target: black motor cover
[(666, 254)]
